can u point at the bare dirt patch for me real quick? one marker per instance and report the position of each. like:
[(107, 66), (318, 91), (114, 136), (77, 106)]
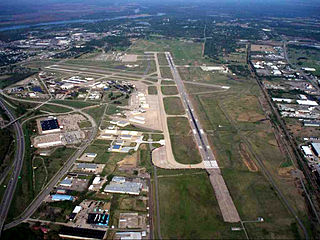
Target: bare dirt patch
[(261, 48), (273, 142), (129, 161), (285, 171), (250, 117), (247, 159)]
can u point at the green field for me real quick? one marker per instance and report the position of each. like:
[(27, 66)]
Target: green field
[(40, 174), (152, 90), (169, 90), (46, 167), (184, 53), (235, 116), (162, 59), (194, 89), (74, 104), (173, 106), (84, 124), (304, 57), (54, 109), (166, 72), (189, 210), (96, 112), (182, 141), (40, 64), (167, 82), (178, 126)]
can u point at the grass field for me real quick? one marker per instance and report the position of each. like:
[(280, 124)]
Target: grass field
[(169, 90), (167, 82), (182, 141), (305, 57), (162, 59), (193, 88), (236, 115), (73, 103), (54, 109), (144, 67), (152, 90), (96, 113), (173, 106), (178, 126), (40, 64), (184, 53), (166, 72), (189, 210), (39, 177), (84, 124)]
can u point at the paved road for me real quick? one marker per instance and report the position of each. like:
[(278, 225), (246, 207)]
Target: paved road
[(227, 207), (18, 162), (48, 188)]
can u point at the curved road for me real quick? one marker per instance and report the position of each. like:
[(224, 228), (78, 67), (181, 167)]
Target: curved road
[(18, 161)]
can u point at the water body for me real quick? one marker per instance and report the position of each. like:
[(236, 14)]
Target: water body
[(22, 26)]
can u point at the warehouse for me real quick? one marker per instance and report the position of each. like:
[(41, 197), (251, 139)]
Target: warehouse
[(67, 182), (80, 233), (307, 151), (316, 148), (307, 102), (310, 123), (50, 125), (59, 197), (47, 141), (131, 188), (67, 86), (87, 167)]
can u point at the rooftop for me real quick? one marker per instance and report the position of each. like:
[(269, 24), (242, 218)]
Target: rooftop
[(125, 187), (49, 124)]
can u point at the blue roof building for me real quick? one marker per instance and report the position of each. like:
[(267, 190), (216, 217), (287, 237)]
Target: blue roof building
[(60, 197)]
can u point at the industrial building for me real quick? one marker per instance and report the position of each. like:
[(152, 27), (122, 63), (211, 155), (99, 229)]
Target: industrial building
[(128, 235), (67, 182), (50, 125), (316, 148), (60, 197), (120, 185), (89, 167), (310, 123), (81, 233), (46, 141), (307, 151)]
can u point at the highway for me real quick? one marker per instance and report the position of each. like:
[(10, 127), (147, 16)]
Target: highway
[(227, 207), (17, 166)]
